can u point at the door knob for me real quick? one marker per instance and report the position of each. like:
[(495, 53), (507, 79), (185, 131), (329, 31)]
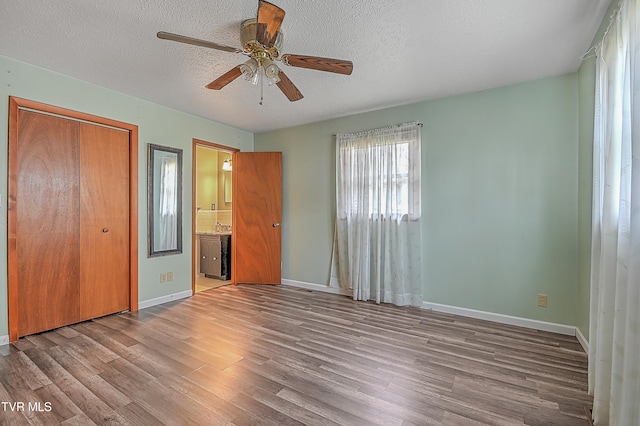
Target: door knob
[(105, 230), (275, 225)]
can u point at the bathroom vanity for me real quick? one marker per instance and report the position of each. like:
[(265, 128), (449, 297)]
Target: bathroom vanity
[(215, 255)]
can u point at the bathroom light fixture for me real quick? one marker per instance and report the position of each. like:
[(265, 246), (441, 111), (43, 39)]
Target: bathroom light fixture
[(226, 166)]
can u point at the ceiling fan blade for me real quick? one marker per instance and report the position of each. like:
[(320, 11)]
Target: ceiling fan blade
[(317, 63), (268, 23), (288, 88), (225, 79), (197, 42)]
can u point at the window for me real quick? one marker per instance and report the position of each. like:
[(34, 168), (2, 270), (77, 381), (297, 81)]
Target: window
[(379, 174), (377, 250)]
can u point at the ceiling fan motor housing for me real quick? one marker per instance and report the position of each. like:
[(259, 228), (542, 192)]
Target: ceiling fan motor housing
[(254, 48)]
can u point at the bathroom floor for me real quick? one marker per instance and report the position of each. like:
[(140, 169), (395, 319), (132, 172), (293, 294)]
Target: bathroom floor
[(203, 283)]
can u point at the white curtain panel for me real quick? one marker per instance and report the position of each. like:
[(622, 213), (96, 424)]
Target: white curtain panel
[(614, 346), (168, 218), (378, 240)]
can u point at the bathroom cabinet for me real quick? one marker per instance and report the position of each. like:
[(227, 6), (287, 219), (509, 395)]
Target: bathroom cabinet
[(215, 256)]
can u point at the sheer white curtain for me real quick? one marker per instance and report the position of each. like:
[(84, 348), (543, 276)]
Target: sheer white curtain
[(378, 244), (168, 218), (614, 335)]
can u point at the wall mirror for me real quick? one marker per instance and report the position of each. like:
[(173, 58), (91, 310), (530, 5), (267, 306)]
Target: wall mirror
[(164, 203), (227, 187)]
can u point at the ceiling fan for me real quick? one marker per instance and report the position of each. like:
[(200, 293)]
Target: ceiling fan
[(261, 40)]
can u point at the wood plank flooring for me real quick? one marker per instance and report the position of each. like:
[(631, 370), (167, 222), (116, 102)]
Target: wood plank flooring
[(278, 355)]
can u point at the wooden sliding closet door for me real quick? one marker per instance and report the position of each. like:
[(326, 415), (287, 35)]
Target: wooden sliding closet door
[(47, 221), (71, 255), (104, 224)]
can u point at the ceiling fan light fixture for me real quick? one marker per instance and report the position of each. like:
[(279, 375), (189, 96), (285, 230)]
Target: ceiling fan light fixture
[(273, 80), (250, 70), (271, 71), (261, 39)]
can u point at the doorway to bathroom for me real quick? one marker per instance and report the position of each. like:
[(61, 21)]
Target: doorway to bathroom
[(212, 215)]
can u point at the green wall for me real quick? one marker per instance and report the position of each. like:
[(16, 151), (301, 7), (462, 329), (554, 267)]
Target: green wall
[(500, 196), (586, 82), (156, 124)]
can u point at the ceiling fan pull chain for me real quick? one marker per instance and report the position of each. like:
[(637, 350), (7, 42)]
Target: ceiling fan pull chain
[(261, 77)]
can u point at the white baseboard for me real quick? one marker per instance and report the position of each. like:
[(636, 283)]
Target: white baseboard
[(472, 313), (317, 287), (164, 299), (490, 316), (4, 340), (583, 340), (503, 319)]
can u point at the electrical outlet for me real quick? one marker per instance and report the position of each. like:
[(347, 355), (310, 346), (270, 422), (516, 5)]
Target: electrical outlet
[(542, 300), (163, 277), (170, 276)]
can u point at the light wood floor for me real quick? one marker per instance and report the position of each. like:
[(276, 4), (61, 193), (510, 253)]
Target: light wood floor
[(277, 355), (203, 283)]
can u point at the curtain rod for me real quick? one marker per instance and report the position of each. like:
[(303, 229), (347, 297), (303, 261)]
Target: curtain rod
[(386, 127), (592, 50)]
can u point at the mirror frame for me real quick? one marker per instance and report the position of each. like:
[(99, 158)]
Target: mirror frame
[(151, 197)]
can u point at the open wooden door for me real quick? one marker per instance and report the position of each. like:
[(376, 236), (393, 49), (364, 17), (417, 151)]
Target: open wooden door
[(257, 212)]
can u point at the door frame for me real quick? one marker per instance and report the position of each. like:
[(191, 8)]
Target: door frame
[(194, 239), (16, 104)]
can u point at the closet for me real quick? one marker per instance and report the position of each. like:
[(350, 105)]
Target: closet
[(70, 219)]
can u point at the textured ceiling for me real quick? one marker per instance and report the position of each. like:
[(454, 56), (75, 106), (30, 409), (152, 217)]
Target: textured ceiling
[(403, 51)]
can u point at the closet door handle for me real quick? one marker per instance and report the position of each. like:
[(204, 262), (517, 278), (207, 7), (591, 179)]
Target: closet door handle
[(105, 230), (275, 225)]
